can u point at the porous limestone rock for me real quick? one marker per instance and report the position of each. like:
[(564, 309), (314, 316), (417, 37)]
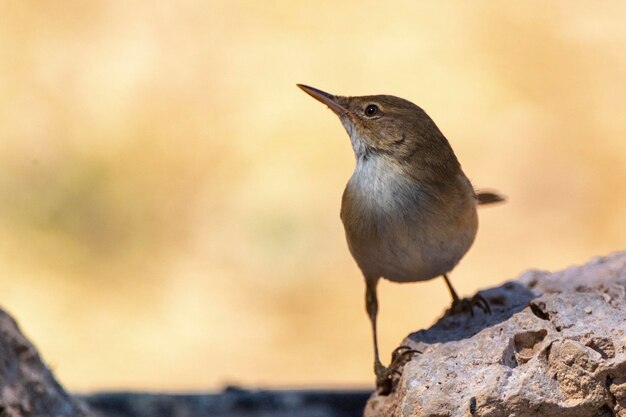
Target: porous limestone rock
[(554, 345), (27, 387)]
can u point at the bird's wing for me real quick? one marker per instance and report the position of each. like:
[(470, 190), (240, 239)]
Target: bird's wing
[(488, 197)]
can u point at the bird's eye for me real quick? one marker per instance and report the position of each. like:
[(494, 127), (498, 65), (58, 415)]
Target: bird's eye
[(371, 110)]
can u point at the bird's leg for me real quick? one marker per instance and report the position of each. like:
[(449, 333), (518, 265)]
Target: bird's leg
[(462, 305), (384, 375), (371, 304), (455, 297)]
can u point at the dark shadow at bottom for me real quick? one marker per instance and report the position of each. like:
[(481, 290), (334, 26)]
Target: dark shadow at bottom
[(232, 402)]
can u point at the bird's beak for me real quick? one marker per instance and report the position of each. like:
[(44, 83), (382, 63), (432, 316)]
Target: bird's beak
[(328, 99)]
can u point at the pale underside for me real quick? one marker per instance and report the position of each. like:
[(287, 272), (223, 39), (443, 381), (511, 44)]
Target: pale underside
[(400, 230)]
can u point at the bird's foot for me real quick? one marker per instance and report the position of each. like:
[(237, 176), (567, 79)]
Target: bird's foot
[(387, 377), (467, 305)]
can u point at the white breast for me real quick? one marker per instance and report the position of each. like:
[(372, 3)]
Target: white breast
[(403, 233)]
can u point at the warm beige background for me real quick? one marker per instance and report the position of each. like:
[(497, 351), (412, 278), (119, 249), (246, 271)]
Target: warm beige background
[(169, 199)]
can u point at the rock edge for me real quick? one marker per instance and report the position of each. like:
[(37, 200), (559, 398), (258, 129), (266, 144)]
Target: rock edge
[(555, 345), (27, 387)]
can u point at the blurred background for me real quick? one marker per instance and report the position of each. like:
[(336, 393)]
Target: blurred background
[(169, 200)]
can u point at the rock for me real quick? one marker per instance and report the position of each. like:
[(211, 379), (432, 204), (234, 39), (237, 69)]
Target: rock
[(554, 345), (27, 387)]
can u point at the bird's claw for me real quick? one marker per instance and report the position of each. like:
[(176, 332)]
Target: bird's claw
[(386, 377), (467, 305), (401, 352)]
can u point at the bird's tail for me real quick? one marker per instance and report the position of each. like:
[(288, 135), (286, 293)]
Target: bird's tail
[(488, 197)]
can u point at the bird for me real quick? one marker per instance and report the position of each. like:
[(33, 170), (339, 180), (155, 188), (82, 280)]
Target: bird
[(408, 210)]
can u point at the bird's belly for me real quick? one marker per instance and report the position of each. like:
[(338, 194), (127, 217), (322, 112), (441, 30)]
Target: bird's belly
[(408, 257), (414, 248), (402, 231), (421, 257)]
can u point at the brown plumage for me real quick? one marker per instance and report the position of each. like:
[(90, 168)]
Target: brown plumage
[(409, 211)]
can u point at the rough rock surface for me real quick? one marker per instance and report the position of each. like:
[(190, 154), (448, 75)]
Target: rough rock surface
[(27, 387), (554, 345)]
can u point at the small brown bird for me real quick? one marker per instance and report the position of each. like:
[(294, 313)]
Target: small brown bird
[(408, 210)]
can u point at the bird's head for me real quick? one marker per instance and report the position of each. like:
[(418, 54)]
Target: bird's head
[(388, 126)]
